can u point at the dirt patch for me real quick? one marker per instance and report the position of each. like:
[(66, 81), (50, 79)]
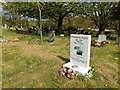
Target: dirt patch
[(107, 74), (38, 51)]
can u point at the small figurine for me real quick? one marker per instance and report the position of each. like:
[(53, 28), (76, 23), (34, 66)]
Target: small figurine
[(90, 72)]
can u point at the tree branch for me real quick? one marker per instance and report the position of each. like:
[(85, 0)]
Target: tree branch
[(70, 10)]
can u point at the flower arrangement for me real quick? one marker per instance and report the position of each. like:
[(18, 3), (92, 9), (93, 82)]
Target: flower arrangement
[(68, 73), (99, 44)]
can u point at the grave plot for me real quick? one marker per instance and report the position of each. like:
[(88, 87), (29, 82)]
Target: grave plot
[(101, 41), (79, 56)]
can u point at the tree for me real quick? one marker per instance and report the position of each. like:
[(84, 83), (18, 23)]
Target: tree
[(29, 10), (39, 8), (99, 12), (11, 13), (58, 10), (33, 10), (115, 17), (77, 22)]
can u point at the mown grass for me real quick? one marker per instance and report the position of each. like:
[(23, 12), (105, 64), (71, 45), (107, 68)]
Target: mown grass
[(29, 65)]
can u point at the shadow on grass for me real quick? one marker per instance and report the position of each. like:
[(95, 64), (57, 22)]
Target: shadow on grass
[(64, 59)]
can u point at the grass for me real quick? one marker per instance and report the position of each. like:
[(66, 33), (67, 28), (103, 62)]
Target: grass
[(29, 65)]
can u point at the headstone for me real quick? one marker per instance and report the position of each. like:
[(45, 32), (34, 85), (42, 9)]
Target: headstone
[(51, 36), (79, 53), (21, 27), (118, 39), (101, 38), (62, 35), (38, 31), (5, 25)]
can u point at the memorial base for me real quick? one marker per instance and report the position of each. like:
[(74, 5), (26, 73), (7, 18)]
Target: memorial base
[(79, 70)]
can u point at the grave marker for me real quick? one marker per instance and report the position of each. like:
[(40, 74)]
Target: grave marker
[(62, 35), (118, 39), (79, 53), (101, 38), (51, 36), (5, 25)]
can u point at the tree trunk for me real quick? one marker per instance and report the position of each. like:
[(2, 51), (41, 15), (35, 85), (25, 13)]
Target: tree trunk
[(60, 21), (101, 28), (41, 37), (40, 25)]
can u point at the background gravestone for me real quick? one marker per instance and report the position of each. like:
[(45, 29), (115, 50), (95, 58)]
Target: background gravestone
[(5, 25), (101, 38), (51, 36), (118, 39)]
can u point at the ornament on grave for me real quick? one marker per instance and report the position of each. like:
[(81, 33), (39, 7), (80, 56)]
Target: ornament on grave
[(90, 73), (68, 73), (100, 44), (51, 36)]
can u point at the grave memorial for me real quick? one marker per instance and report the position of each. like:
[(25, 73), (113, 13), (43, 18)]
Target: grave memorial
[(101, 38), (51, 36), (101, 41), (5, 25), (79, 53), (118, 39)]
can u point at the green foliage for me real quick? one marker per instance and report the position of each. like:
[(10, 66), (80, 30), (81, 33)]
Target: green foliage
[(99, 12), (12, 12), (115, 13), (76, 22), (58, 10), (115, 16), (48, 23)]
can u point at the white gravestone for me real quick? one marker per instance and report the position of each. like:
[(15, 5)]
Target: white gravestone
[(79, 53), (5, 25), (101, 38)]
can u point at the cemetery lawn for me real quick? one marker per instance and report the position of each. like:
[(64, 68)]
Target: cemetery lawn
[(26, 64)]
